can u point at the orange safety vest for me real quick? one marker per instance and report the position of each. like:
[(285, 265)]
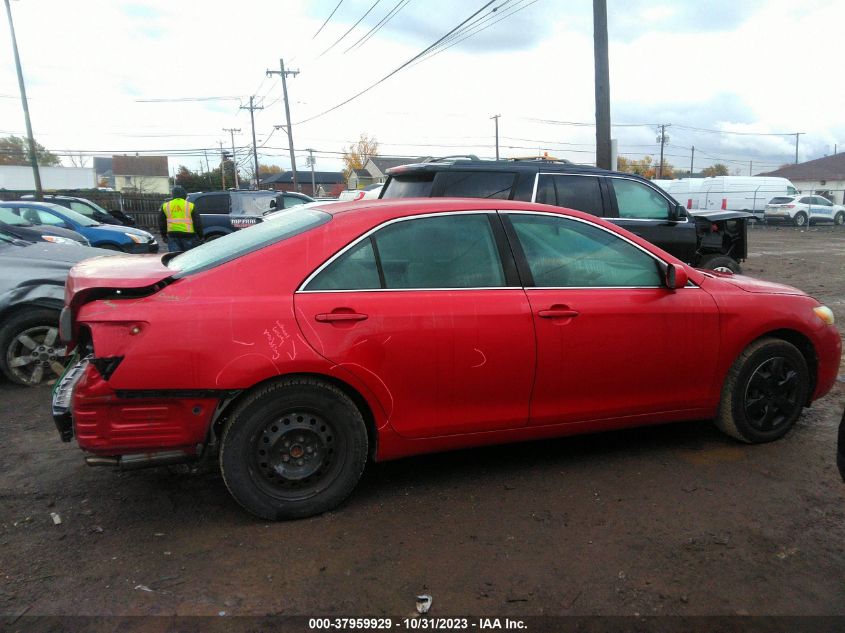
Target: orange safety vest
[(178, 215)]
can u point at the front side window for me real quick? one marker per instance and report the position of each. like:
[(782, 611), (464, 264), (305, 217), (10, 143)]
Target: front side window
[(449, 251), (474, 184), (44, 217), (791, 190), (638, 201), (581, 193), (84, 209), (292, 201), (566, 253)]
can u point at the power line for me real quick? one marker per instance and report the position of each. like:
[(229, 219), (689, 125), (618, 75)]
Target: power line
[(390, 74), (181, 99), (391, 14), (703, 129), (327, 19), (340, 39)]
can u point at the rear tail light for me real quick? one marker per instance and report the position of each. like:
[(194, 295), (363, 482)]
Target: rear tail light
[(790, 206), (724, 204)]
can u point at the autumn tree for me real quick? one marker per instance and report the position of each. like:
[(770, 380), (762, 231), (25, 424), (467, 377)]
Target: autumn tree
[(265, 170), (14, 150), (644, 167), (718, 169), (356, 155)]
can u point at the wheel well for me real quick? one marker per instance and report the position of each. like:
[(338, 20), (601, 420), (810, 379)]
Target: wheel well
[(805, 346), (10, 311), (354, 395)]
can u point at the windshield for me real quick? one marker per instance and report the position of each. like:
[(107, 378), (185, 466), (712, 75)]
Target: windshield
[(71, 215), (291, 222)]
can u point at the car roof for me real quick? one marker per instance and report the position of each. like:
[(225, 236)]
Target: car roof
[(529, 166), (418, 206), (33, 203)]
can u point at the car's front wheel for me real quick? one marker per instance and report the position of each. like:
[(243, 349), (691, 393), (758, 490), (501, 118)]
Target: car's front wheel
[(800, 219), (764, 392), (293, 449), (720, 263), (30, 350)]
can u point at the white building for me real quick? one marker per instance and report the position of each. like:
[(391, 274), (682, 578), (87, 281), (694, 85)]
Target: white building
[(20, 178), (824, 176)]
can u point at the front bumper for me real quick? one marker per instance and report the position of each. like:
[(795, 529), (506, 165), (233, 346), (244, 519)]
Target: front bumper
[(63, 396), (142, 249)]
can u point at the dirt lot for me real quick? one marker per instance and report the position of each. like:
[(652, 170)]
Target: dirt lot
[(670, 520)]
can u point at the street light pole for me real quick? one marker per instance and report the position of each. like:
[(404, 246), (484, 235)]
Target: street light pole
[(33, 158), (495, 117)]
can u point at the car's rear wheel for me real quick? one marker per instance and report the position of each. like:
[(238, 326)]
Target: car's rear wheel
[(839, 218), (293, 449), (800, 219), (720, 263), (764, 392), (30, 350)]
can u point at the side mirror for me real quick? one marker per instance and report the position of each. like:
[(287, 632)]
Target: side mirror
[(273, 204), (677, 212), (676, 277)]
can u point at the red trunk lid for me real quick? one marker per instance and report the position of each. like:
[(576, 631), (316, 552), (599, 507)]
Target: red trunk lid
[(119, 272)]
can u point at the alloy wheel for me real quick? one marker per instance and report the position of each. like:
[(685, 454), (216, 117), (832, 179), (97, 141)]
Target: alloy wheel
[(771, 397), (36, 355)]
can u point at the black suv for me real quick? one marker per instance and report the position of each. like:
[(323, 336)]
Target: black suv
[(223, 212), (88, 209), (711, 239)]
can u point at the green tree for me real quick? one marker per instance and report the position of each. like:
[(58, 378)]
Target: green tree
[(718, 169), (14, 150)]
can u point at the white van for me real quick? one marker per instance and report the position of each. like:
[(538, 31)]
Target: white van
[(729, 193)]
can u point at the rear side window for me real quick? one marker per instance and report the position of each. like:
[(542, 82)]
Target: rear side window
[(409, 186), (247, 240), (474, 184), (454, 251), (581, 193), (806, 200), (215, 203), (639, 201)]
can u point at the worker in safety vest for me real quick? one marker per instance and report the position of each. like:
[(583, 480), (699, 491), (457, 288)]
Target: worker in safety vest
[(179, 222)]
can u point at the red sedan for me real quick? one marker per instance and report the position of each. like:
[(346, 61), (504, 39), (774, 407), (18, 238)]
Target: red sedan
[(300, 347)]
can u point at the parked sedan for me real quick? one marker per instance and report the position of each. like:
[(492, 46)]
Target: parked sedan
[(14, 225), (116, 238), (304, 345), (88, 208), (32, 286), (802, 210)]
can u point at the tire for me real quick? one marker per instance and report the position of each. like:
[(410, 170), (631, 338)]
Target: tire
[(764, 392), (30, 350), (211, 238), (800, 219), (293, 449), (720, 263), (111, 247), (839, 218)]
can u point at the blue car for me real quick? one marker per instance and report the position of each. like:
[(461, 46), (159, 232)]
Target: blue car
[(108, 236)]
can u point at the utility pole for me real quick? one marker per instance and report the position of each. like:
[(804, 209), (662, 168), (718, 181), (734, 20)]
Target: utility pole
[(691, 161), (495, 118), (284, 73), (313, 180), (252, 108), (222, 166), (797, 134), (602, 84), (207, 166), (662, 139), (232, 131), (33, 158), (750, 167)]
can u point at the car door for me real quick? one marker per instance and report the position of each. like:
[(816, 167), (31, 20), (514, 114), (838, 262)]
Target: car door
[(428, 312), (579, 192), (612, 340), (822, 208), (643, 210)]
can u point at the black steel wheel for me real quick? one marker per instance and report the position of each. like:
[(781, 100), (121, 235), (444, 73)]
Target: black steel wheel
[(30, 350), (293, 449), (764, 392)]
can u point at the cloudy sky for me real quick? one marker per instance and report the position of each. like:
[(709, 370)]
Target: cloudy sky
[(109, 77)]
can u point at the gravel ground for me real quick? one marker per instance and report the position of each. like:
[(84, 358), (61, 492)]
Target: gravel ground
[(671, 520)]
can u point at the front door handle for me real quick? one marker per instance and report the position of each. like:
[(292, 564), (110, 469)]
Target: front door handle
[(331, 317), (558, 312)]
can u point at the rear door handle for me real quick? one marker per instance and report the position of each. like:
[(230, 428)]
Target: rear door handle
[(330, 317), (557, 313)]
